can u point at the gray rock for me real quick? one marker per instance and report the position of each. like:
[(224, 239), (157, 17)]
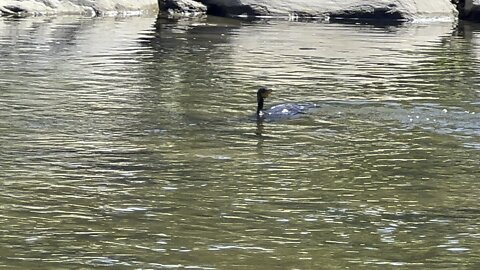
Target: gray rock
[(363, 9), (88, 7), (183, 8)]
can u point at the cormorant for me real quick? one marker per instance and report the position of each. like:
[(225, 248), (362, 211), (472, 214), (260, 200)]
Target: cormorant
[(284, 110)]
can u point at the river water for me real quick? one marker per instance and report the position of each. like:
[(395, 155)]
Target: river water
[(130, 143)]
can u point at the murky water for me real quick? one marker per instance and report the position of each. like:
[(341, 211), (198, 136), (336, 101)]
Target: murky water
[(131, 143)]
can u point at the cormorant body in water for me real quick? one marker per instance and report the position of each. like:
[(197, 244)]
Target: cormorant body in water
[(284, 110)]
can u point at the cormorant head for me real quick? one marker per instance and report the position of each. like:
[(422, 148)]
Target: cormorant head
[(262, 93)]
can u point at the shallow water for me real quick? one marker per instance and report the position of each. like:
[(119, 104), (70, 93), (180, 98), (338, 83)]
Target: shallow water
[(131, 143)]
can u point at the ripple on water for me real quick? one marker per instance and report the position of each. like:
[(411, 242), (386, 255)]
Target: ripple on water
[(137, 149)]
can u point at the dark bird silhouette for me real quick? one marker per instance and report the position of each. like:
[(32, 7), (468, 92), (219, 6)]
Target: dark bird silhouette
[(284, 110)]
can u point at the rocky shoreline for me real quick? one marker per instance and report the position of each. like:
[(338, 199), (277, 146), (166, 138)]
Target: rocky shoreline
[(394, 10), (24, 8)]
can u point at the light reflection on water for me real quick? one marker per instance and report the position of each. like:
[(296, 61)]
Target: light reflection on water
[(137, 148)]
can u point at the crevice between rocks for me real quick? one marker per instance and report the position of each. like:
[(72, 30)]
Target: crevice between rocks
[(467, 10), (220, 11), (388, 13), (12, 11)]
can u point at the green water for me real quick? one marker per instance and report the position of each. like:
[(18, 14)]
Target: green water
[(130, 143)]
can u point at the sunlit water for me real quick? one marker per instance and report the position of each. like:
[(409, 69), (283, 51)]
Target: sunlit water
[(131, 143)]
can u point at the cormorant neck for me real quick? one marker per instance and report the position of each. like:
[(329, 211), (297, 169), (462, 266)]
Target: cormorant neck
[(259, 105)]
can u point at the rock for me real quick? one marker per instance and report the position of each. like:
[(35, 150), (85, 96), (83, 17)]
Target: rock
[(349, 9), (292, 9), (183, 8), (89, 7)]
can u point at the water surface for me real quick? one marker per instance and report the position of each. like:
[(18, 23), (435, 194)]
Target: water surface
[(131, 143)]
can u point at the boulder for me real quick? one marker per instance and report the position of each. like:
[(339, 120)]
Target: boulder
[(349, 9), (89, 7), (183, 8)]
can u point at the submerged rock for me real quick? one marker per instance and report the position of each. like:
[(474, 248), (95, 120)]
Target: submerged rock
[(88, 7)]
